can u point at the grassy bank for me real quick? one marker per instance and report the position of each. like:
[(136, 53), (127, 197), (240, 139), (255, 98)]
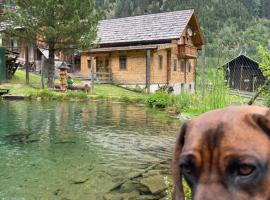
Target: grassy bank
[(216, 94), (17, 86)]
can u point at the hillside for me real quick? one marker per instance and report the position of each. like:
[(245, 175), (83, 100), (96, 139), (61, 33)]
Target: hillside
[(229, 26)]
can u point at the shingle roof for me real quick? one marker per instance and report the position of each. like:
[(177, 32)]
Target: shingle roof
[(153, 27)]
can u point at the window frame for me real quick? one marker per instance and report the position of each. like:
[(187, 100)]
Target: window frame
[(175, 65), (160, 62), (121, 67), (182, 66)]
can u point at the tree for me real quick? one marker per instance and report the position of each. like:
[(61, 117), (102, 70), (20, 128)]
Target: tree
[(56, 24), (265, 67)]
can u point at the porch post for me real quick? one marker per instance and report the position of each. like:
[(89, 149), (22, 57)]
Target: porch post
[(92, 74), (148, 63)]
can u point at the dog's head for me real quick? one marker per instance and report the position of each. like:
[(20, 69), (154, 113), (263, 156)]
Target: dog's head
[(225, 155)]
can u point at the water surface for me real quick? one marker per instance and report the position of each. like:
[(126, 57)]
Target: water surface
[(77, 150)]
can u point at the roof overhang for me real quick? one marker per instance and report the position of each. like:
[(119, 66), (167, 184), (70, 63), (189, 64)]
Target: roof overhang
[(123, 48), (197, 37)]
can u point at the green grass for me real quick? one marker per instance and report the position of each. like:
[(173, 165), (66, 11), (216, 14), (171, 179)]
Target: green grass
[(19, 78), (114, 92), (17, 86)]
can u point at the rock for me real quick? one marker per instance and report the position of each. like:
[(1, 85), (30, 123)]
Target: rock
[(131, 196), (128, 187), (79, 181), (122, 196), (152, 173), (154, 183), (148, 197), (111, 196), (144, 190)]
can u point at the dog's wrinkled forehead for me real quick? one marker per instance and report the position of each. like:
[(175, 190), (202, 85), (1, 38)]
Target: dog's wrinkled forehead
[(231, 124)]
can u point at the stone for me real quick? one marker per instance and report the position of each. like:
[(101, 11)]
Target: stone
[(112, 196), (144, 190), (154, 183), (152, 173), (131, 196), (128, 187), (148, 197)]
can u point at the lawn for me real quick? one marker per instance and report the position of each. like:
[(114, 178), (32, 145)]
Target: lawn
[(102, 91)]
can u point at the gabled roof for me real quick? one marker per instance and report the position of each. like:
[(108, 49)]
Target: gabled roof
[(241, 58), (144, 28)]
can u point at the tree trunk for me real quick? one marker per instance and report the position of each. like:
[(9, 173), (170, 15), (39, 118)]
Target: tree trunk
[(51, 68)]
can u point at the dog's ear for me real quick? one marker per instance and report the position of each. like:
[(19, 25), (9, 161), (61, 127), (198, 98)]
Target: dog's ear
[(177, 177), (263, 122)]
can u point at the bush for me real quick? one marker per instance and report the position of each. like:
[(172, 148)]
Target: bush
[(158, 100)]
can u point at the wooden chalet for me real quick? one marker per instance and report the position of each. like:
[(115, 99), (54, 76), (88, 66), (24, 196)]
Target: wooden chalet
[(243, 73), (147, 51)]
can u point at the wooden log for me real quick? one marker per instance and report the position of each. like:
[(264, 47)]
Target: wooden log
[(84, 88)]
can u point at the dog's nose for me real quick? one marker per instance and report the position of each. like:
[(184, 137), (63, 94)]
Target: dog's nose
[(213, 191)]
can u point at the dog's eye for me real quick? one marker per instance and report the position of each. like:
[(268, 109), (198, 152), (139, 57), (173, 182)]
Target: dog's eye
[(245, 170), (186, 169)]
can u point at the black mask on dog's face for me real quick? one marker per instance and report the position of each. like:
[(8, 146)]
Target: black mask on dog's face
[(215, 167)]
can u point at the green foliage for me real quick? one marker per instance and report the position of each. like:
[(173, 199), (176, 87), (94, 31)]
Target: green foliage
[(229, 26), (216, 96), (265, 61), (169, 191), (58, 25), (187, 190), (159, 99)]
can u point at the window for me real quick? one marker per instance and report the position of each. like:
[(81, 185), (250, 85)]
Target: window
[(182, 87), (123, 62), (160, 61), (14, 44), (190, 87), (174, 65), (89, 64), (189, 66), (182, 65)]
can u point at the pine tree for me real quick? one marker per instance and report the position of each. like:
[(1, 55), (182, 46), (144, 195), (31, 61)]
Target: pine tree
[(58, 24)]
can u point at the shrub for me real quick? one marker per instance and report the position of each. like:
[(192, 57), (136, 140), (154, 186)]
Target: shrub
[(158, 100)]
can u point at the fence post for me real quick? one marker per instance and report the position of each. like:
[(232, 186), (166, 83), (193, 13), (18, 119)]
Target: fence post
[(26, 65), (203, 71)]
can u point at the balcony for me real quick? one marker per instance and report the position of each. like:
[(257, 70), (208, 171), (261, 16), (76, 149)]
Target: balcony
[(187, 51)]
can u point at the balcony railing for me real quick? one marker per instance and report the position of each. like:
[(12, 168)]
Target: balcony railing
[(187, 51)]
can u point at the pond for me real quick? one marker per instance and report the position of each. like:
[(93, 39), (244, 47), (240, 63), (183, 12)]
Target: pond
[(77, 150)]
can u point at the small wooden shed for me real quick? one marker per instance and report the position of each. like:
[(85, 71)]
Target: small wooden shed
[(243, 73)]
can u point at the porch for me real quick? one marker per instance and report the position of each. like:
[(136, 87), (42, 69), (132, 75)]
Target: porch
[(99, 77)]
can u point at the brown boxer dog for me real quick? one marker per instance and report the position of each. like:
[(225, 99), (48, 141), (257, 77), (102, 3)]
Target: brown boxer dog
[(225, 155)]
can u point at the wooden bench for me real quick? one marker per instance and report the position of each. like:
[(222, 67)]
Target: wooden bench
[(4, 91)]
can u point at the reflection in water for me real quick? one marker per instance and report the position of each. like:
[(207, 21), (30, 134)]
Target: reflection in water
[(47, 148)]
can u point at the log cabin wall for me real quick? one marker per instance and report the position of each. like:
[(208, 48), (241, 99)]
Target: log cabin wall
[(135, 71), (182, 70)]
